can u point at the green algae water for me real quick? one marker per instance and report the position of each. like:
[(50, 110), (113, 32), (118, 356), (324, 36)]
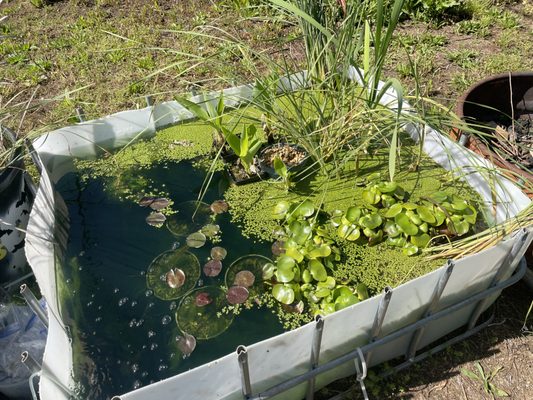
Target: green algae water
[(126, 336)]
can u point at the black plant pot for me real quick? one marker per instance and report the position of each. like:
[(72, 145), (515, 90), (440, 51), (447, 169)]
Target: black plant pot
[(236, 173), (15, 205), (267, 166)]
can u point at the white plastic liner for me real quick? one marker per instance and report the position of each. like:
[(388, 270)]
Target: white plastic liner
[(287, 355)]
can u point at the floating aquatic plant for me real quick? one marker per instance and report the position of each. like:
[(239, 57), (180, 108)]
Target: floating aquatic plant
[(155, 203), (237, 294), (212, 268), (186, 344), (202, 299), (196, 240), (156, 219), (248, 271), (218, 253), (219, 206), (190, 217), (204, 321), (210, 230), (172, 274), (244, 278)]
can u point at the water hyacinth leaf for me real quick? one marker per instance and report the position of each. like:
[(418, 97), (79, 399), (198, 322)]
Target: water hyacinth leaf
[(202, 299), (426, 215), (190, 216), (196, 240), (397, 241), (420, 241), (210, 230), (440, 216), (371, 196), (294, 252), (328, 283), (399, 193), (322, 292), (157, 273), (393, 211), (244, 278), (409, 206), (409, 249), (304, 209), (439, 197), (375, 237), (268, 271), (175, 278), (415, 219), (218, 253), (354, 234), (424, 227), (327, 308), (345, 300), (341, 291), (186, 344), (285, 270), (387, 201), (278, 248), (300, 231), (237, 294), (362, 291), (353, 214), (370, 221), (207, 320), (469, 215), (461, 227), (318, 271), (156, 219), (405, 224), (387, 187), (344, 230), (212, 268), (459, 204), (219, 206), (391, 229), (283, 293), (280, 209), (323, 250), (306, 276)]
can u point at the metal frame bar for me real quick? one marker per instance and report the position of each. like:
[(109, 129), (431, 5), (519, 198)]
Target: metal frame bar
[(33, 303), (242, 356), (352, 355), (315, 354)]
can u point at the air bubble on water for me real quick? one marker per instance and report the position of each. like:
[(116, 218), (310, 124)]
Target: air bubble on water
[(116, 290), (162, 367), (200, 282), (136, 385), (89, 304), (172, 306), (73, 292), (122, 301), (135, 368), (144, 347), (99, 307), (151, 334), (93, 295), (82, 253), (94, 333), (140, 322), (175, 245), (98, 319), (150, 305), (172, 355), (153, 346), (68, 281), (132, 323), (133, 303), (166, 320), (80, 268), (144, 374), (149, 293), (143, 273)]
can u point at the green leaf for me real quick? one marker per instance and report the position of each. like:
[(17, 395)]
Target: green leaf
[(280, 167), (353, 214), (439, 197), (391, 229), (371, 196), (397, 241), (304, 209), (306, 276), (469, 374), (459, 204), (285, 270), (283, 293), (323, 250), (345, 300), (362, 291), (420, 241), (409, 249), (280, 209), (415, 219), (387, 187), (426, 215), (294, 252), (301, 231), (318, 271), (196, 240), (394, 210), (354, 234), (268, 271), (405, 224), (244, 141), (322, 292), (387, 200), (329, 283), (198, 111), (370, 221)]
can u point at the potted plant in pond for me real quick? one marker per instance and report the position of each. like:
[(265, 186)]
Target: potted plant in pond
[(499, 111), (15, 204)]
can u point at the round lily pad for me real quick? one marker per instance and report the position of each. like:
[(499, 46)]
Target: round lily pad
[(218, 253), (190, 216), (212, 268), (254, 264), (244, 278), (155, 203), (237, 294), (160, 279), (156, 219), (205, 321), (278, 248), (196, 240), (210, 230), (186, 344), (202, 299), (219, 206)]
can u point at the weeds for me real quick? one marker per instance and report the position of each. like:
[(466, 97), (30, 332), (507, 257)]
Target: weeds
[(485, 379)]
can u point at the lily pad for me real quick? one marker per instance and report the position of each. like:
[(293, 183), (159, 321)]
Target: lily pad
[(202, 299), (156, 275), (159, 203), (212, 268), (196, 240), (210, 230), (219, 206), (244, 278), (190, 216), (261, 267), (156, 219), (218, 253), (278, 248), (175, 278), (237, 294), (186, 344), (205, 321)]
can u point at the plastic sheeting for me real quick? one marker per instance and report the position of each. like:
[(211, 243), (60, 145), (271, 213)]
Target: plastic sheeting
[(287, 355)]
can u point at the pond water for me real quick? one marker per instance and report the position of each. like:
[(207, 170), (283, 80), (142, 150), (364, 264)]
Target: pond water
[(125, 335)]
